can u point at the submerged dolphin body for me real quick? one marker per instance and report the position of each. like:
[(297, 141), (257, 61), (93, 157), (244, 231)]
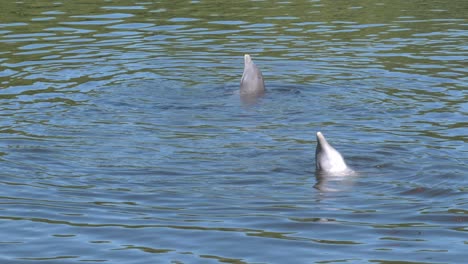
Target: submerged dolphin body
[(328, 160), (252, 84)]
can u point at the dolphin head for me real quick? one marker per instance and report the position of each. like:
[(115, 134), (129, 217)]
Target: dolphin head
[(252, 83), (247, 59), (327, 158)]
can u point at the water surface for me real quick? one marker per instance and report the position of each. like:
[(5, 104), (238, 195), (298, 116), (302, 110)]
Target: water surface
[(123, 138)]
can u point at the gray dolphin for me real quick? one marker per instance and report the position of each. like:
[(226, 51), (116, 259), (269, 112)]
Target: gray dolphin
[(252, 84), (328, 160)]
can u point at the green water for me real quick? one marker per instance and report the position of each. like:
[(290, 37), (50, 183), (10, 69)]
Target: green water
[(123, 138)]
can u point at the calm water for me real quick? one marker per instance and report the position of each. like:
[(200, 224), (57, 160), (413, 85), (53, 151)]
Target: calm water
[(123, 138)]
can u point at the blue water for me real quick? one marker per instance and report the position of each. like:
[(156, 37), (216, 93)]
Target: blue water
[(123, 138)]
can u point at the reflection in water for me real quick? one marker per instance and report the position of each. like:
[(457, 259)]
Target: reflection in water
[(123, 136), (334, 183), (250, 99)]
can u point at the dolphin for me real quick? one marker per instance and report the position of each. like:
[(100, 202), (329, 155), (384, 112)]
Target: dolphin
[(252, 84), (328, 160)]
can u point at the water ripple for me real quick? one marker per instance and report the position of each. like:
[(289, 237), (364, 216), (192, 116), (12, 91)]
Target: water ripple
[(123, 137)]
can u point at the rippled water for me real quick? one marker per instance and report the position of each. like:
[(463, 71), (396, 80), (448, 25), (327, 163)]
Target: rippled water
[(123, 138)]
